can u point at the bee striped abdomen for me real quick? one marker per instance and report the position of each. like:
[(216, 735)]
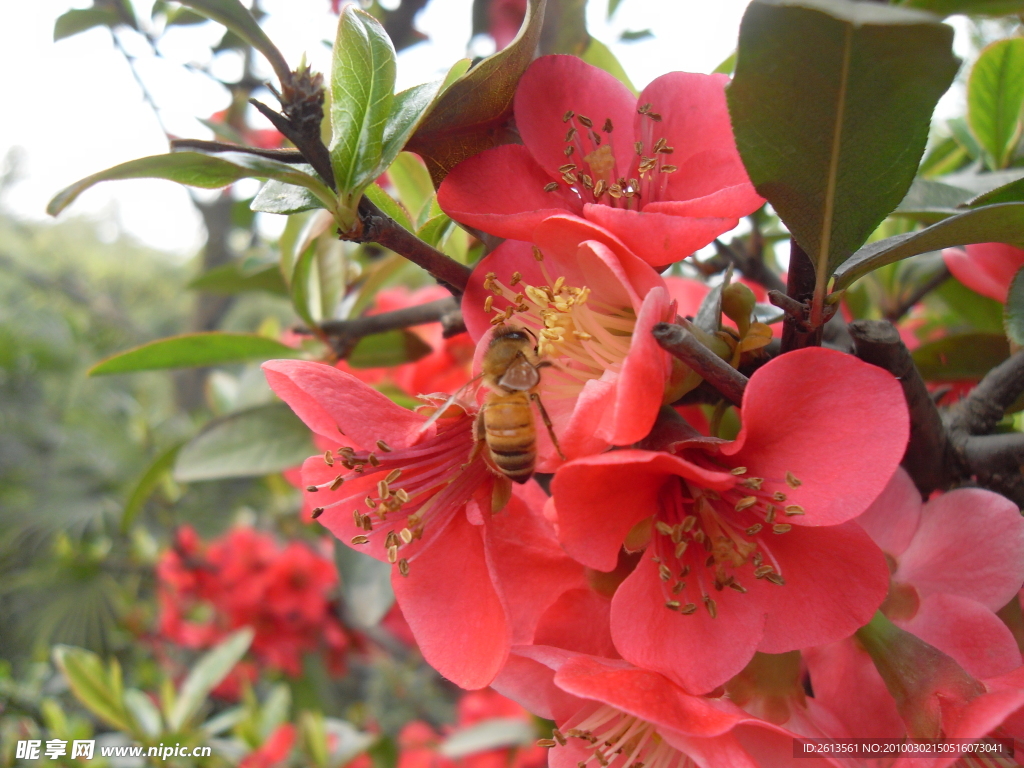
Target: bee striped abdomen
[(510, 434)]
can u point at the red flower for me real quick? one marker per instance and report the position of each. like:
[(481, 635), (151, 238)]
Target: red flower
[(274, 750), (505, 17), (469, 582), (748, 545), (987, 268), (664, 176)]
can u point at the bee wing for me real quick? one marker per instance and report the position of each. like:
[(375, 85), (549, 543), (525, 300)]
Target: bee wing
[(521, 376), (454, 396)]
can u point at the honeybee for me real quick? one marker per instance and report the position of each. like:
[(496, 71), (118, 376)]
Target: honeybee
[(511, 373)]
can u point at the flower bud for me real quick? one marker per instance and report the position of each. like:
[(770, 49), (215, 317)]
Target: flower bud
[(738, 305)]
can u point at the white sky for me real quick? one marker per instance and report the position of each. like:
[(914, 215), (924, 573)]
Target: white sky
[(74, 108)]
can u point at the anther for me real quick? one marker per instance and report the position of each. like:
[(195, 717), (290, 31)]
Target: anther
[(312, 488), (688, 522), (664, 572), (669, 168), (537, 254), (328, 459), (570, 134), (753, 483), (547, 743), (738, 471), (569, 177), (710, 605), (607, 128), (393, 554), (393, 475), (736, 586), (673, 605), (568, 116), (745, 503), (317, 512), (761, 571), (754, 529), (402, 495), (643, 109), (567, 167), (337, 482), (654, 116), (557, 734), (769, 515), (383, 446), (639, 147), (370, 502), (600, 188), (791, 480), (782, 528), (403, 567), (663, 528), (374, 461), (551, 186), (586, 121), (569, 150), (681, 548), (405, 535), (687, 609), (516, 279), (775, 578), (587, 181), (489, 301), (779, 496), (360, 539), (794, 509)]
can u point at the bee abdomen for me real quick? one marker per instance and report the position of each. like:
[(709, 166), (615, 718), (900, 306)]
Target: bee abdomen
[(510, 435)]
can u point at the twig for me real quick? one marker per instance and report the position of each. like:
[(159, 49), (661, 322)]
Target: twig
[(796, 333), (929, 285), (146, 95), (281, 155), (927, 459), (752, 267), (421, 314), (983, 408), (315, 152), (682, 344), (996, 460)]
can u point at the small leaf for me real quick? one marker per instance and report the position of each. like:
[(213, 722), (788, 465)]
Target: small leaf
[(412, 181), (144, 712), (966, 356), (146, 484), (254, 442), (193, 350), (434, 229), (473, 113), (600, 55), (362, 92), (236, 17), (92, 685), (387, 204), (727, 67), (1008, 193), (206, 675), (990, 224), (408, 111), (496, 733), (365, 586), (929, 201), (831, 105), (383, 350), (277, 197), (709, 315), (971, 7), (982, 182), (565, 28), (1014, 321), (995, 96), (79, 20), (631, 35), (230, 279)]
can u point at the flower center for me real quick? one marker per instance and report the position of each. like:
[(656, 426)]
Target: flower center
[(581, 336), (613, 737), (411, 493), (706, 540), (591, 173)]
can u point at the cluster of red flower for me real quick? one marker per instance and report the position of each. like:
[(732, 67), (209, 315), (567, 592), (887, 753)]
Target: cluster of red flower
[(678, 599), (245, 578)]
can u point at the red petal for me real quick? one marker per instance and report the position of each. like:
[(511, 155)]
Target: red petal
[(453, 609), (836, 577), (578, 621), (986, 268), (688, 294), (501, 191), (511, 256), (658, 238), (725, 203), (892, 520), (554, 85), (531, 682), (333, 403), (696, 651), (838, 424)]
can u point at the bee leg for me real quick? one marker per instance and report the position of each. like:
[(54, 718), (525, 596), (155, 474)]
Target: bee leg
[(547, 423), (479, 437)]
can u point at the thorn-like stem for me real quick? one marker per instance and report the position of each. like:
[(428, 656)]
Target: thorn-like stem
[(409, 317), (311, 148), (983, 408), (796, 333), (682, 344), (281, 155)]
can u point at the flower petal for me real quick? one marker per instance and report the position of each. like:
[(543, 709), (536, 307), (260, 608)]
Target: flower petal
[(839, 425), (330, 402), (893, 518), (578, 621), (531, 682), (509, 257), (986, 268), (453, 609)]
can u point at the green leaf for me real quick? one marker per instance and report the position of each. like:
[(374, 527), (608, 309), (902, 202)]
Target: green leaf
[(600, 55), (144, 712), (195, 170), (277, 197), (365, 586), (193, 350), (79, 20), (1008, 193), (995, 96), (831, 104), (496, 733), (929, 201), (362, 92), (946, 156), (727, 67), (966, 356), (387, 204), (96, 688), (206, 675), (1014, 321), (565, 28), (434, 230), (982, 182), (408, 111), (230, 279), (383, 350), (254, 442), (990, 224), (146, 484), (473, 113), (971, 7), (236, 17), (412, 181), (613, 6)]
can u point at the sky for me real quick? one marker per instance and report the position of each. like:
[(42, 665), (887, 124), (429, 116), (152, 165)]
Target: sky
[(73, 108)]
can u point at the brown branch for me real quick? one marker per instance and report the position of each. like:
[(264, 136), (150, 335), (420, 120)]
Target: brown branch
[(929, 285), (996, 461), (928, 455), (281, 155), (750, 266), (312, 148), (796, 333), (983, 408), (682, 344), (421, 314)]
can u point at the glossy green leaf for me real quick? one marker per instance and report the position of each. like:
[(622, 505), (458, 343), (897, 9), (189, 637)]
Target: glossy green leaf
[(981, 182), (1015, 309), (277, 197), (434, 229), (96, 687), (362, 92), (195, 169), (408, 111), (175, 15), (966, 356), (981, 313), (383, 350), (991, 223), (206, 675), (995, 96), (727, 67), (236, 17), (831, 104), (600, 55), (410, 178), (1008, 193), (929, 201), (230, 279), (254, 442), (473, 113), (946, 156), (972, 7), (387, 204), (495, 733), (144, 712), (79, 20), (146, 484), (193, 350), (365, 586)]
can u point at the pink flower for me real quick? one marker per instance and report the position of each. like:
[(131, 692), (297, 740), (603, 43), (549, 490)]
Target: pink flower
[(662, 173), (274, 750), (748, 544), (592, 304), (954, 562), (986, 268), (470, 580), (505, 17)]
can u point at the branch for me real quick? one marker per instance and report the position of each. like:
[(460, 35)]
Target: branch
[(752, 267), (928, 455), (983, 408), (311, 147), (421, 314), (996, 461), (796, 333), (929, 285), (682, 344), (281, 155)]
